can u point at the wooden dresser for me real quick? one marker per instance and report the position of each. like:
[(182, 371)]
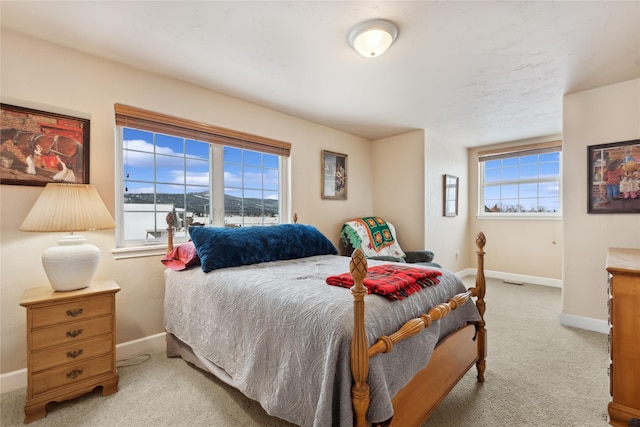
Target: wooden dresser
[(623, 266), (70, 344)]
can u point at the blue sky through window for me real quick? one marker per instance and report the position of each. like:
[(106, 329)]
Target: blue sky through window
[(173, 163), (163, 173), (529, 183)]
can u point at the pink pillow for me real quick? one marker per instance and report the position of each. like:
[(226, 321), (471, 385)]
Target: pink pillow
[(181, 257)]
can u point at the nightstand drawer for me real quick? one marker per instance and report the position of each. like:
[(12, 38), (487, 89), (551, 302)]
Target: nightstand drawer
[(77, 310), (70, 374), (75, 352), (71, 332)]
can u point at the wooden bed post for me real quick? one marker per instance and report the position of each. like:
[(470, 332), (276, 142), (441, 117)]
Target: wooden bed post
[(170, 219), (479, 292), (359, 344), (451, 358)]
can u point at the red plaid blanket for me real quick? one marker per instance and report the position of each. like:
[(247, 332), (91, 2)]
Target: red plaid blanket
[(395, 282)]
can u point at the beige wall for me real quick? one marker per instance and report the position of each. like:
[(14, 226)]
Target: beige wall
[(408, 174), (398, 180), (85, 86), (520, 247), (598, 116), (450, 238)]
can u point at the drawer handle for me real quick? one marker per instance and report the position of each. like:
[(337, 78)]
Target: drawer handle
[(75, 353), (74, 374), (75, 312), (73, 334)]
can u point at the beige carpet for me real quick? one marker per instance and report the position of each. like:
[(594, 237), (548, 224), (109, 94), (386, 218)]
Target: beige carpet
[(538, 374)]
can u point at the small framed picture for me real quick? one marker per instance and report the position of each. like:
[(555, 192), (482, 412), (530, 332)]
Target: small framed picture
[(614, 177), (38, 147), (334, 175), (450, 195)]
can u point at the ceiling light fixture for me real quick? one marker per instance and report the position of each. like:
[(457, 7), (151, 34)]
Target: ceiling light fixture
[(373, 38)]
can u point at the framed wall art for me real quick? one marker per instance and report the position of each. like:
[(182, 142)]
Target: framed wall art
[(450, 195), (614, 177), (334, 175), (38, 147)]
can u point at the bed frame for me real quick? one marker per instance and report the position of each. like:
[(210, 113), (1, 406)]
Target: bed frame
[(450, 361)]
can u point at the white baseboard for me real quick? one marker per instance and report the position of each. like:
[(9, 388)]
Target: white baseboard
[(588, 323), (514, 278), (466, 272), (523, 278), (18, 379), (13, 380), (142, 345)]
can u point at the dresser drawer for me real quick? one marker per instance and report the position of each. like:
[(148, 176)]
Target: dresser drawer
[(70, 332), (75, 352), (76, 310), (70, 374)]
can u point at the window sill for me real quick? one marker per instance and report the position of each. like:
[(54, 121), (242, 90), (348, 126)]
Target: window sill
[(521, 217), (139, 251)]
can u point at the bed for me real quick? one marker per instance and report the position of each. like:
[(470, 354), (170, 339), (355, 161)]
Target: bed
[(254, 306)]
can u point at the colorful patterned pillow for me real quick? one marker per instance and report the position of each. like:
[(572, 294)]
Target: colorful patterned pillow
[(181, 257)]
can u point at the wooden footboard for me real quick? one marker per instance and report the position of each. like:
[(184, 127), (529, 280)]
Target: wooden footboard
[(452, 358)]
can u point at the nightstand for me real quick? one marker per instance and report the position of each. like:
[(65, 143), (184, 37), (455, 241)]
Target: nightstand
[(70, 344)]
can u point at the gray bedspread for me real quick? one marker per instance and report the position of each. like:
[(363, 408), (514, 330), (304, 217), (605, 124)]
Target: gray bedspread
[(283, 336)]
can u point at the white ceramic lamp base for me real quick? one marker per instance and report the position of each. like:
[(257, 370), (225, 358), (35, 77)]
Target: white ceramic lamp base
[(72, 264)]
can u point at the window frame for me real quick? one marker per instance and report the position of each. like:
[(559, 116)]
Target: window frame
[(518, 152), (217, 137)]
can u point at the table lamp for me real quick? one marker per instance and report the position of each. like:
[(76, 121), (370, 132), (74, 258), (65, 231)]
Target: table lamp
[(69, 207)]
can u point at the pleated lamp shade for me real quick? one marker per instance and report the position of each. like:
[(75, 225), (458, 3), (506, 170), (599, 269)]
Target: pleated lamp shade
[(69, 208)]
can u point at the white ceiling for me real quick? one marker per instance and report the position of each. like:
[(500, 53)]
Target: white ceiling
[(475, 72)]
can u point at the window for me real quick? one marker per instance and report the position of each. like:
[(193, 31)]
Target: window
[(202, 175), (521, 181), (250, 188)]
